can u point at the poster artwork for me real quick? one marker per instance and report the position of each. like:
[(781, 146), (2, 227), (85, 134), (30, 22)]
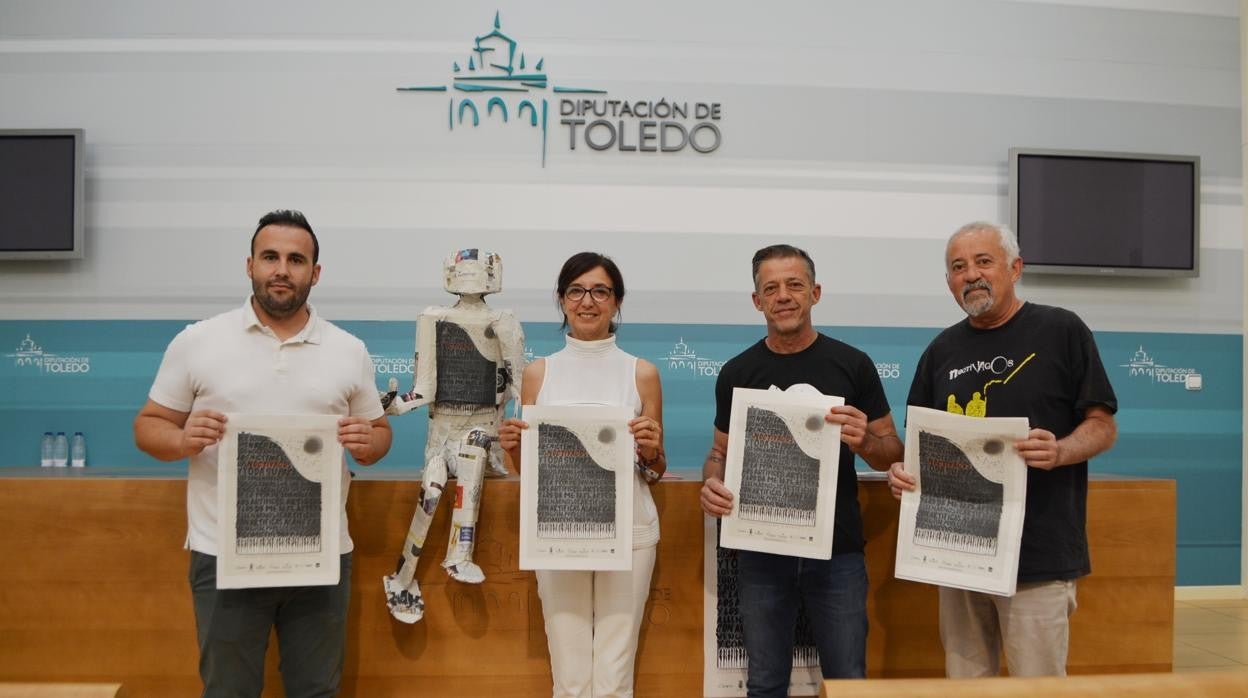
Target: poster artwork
[(575, 495), (279, 510), (962, 525), (279, 485), (779, 482), (576, 487), (962, 509), (782, 464), (724, 659), (465, 375)]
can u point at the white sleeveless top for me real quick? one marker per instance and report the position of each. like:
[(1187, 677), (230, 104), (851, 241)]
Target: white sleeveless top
[(600, 373)]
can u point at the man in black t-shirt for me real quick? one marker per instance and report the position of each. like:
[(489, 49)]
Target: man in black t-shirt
[(793, 356), (1011, 358)]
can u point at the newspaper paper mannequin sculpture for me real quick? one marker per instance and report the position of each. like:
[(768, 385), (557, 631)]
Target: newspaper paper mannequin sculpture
[(469, 359)]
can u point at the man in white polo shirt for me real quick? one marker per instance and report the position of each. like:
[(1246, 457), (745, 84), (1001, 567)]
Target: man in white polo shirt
[(273, 355)]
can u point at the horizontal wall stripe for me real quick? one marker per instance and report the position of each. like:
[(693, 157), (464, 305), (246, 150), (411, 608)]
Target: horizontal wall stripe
[(1165, 431), (1217, 8), (1081, 52), (393, 275)]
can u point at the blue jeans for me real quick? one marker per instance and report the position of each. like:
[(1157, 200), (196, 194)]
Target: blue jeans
[(834, 596), (233, 627)]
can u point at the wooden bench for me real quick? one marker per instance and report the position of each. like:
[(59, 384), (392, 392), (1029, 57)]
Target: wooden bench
[(62, 690), (1197, 685)]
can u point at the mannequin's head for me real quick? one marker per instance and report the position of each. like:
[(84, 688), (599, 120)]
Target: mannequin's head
[(473, 272)]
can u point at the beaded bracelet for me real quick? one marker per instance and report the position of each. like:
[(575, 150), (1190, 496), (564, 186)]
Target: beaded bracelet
[(646, 466)]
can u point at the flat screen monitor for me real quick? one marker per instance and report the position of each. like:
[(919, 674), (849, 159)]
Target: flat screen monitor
[(1088, 212), (41, 197)]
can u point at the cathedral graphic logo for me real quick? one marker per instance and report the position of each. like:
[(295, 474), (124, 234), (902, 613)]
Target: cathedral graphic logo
[(30, 356), (507, 83), (499, 79), (683, 358), (1143, 365)]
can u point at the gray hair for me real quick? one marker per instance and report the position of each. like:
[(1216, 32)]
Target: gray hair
[(1009, 242)]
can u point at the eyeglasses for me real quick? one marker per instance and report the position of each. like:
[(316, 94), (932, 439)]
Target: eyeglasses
[(600, 294)]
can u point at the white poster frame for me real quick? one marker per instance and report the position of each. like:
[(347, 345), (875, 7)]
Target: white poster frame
[(803, 415), (589, 424), (994, 572), (310, 443)]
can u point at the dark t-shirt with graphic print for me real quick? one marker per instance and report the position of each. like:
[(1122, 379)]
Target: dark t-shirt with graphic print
[(833, 368), (1043, 364)]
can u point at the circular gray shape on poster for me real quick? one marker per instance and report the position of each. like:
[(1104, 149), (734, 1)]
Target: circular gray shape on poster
[(606, 435), (313, 445), (489, 332), (993, 446), (814, 422)]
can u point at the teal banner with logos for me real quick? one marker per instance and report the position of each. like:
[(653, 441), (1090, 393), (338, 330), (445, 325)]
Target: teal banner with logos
[(92, 376)]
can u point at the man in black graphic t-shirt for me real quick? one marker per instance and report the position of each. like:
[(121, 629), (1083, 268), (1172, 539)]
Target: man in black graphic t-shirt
[(772, 587), (1011, 358)]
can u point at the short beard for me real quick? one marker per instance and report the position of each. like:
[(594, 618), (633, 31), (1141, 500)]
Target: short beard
[(979, 307), (280, 310)]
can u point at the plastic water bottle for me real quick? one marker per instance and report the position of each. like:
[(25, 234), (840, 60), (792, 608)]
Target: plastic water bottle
[(45, 450), (60, 451), (78, 450)]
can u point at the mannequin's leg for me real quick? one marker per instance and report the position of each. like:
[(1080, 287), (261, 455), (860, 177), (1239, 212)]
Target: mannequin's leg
[(470, 463), (403, 596)]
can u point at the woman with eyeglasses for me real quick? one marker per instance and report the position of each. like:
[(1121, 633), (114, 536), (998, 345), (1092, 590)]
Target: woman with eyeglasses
[(593, 618)]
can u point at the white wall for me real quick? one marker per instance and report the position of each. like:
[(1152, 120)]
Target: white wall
[(865, 131)]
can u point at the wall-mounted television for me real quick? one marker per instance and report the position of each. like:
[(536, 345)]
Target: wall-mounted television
[(41, 193), (1120, 214)]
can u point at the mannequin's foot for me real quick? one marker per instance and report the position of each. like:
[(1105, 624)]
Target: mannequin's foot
[(466, 572), (405, 603)]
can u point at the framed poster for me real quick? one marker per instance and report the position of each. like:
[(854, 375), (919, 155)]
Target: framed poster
[(576, 489), (962, 525), (723, 645), (279, 496), (782, 469)]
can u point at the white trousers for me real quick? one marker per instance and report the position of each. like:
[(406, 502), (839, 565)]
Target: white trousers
[(1033, 627), (592, 623)]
